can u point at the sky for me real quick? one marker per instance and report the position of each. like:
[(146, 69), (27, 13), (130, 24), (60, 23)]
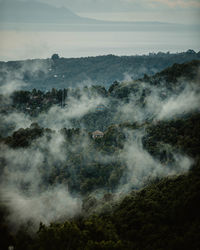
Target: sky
[(23, 43), (183, 11), (167, 10), (124, 5)]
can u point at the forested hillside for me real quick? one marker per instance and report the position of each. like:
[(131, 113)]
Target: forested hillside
[(59, 72), (96, 168), (163, 215), (94, 108)]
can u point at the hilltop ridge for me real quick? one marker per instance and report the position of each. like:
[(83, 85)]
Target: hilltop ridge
[(45, 74)]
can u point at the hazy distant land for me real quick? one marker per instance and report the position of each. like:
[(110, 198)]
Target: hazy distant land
[(41, 16)]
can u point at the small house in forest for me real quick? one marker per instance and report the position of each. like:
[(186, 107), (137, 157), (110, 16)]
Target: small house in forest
[(97, 134), (100, 107)]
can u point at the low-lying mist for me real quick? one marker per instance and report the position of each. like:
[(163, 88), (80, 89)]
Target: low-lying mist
[(47, 180)]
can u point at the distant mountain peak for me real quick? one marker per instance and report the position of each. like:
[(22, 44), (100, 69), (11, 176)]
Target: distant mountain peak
[(34, 11)]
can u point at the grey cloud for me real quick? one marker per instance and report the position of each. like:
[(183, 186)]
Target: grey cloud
[(122, 5), (51, 205), (142, 167), (25, 167), (35, 203), (98, 5), (58, 118), (160, 103), (17, 120), (14, 80), (181, 104), (11, 86)]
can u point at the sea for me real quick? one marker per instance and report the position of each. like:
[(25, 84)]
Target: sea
[(20, 44)]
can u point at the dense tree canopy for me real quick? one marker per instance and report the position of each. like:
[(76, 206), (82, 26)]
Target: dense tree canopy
[(161, 212)]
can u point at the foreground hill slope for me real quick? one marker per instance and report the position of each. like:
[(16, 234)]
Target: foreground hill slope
[(163, 215)]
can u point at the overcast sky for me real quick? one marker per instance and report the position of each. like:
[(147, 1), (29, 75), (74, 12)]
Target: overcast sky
[(124, 5), (22, 44), (181, 11)]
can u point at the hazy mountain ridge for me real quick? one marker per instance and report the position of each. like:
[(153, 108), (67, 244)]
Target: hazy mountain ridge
[(33, 11), (45, 74), (34, 15)]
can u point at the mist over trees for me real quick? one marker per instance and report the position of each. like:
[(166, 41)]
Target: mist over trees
[(134, 187)]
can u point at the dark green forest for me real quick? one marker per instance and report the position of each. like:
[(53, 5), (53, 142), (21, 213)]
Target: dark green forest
[(162, 215), (134, 187)]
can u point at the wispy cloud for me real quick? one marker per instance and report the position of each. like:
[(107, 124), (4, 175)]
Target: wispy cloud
[(121, 5), (179, 3), (141, 166)]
